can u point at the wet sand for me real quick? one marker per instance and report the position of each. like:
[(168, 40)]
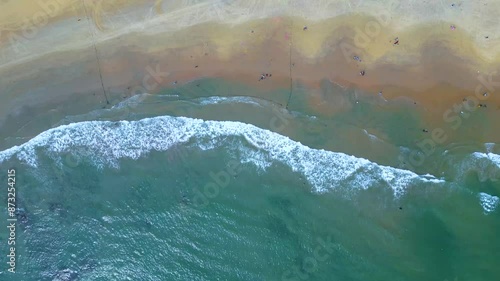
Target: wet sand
[(431, 68)]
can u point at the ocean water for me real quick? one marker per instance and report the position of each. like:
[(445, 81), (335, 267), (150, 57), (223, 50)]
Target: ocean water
[(234, 187)]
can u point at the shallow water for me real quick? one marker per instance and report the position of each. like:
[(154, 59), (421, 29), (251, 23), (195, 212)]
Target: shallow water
[(275, 195)]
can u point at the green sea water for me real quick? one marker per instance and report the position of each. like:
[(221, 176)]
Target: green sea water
[(242, 189)]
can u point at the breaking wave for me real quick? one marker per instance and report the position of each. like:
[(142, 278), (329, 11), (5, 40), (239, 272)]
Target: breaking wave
[(105, 143)]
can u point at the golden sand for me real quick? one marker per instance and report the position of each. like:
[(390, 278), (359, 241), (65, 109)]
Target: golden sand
[(430, 54)]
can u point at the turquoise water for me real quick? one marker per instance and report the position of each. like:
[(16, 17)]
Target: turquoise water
[(139, 197)]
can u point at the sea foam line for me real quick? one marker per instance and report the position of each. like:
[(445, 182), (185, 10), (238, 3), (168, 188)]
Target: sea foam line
[(106, 142)]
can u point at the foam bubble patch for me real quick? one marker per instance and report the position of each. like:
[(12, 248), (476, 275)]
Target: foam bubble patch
[(488, 202)]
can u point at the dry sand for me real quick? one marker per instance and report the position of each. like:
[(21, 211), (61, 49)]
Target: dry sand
[(51, 58), (414, 22)]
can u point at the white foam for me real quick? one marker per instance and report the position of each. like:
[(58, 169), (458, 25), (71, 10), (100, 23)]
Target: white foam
[(232, 100), (487, 165), (494, 158), (107, 142), (132, 101), (372, 136), (107, 219), (489, 146), (488, 202)]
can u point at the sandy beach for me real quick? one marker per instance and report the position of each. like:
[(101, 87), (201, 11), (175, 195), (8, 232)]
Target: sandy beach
[(56, 54), (250, 139)]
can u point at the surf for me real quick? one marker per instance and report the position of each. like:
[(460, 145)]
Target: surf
[(106, 142)]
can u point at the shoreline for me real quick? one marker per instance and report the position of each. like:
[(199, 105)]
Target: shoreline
[(427, 70)]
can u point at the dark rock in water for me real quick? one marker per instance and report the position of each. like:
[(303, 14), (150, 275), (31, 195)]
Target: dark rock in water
[(144, 225), (185, 199), (53, 207), (147, 225), (65, 275), (22, 215), (58, 209), (87, 265)]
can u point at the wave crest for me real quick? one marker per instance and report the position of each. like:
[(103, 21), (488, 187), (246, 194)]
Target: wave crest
[(107, 142)]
